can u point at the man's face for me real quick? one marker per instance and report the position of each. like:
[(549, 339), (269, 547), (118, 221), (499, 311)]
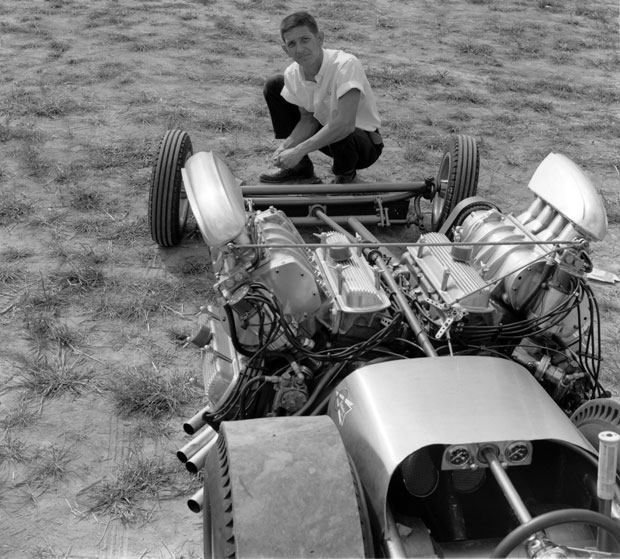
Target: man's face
[(303, 46)]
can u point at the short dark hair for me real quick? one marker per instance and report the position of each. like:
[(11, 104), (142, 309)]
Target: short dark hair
[(298, 19)]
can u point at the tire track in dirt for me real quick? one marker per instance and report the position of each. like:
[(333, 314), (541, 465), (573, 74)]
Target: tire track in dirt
[(114, 541)]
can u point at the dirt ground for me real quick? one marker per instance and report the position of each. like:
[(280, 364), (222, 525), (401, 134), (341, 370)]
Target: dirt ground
[(88, 302)]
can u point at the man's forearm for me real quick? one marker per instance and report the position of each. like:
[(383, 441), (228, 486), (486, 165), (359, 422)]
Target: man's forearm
[(329, 134), (305, 129)]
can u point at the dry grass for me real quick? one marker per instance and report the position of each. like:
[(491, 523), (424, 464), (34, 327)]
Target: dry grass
[(47, 376), (136, 481), (152, 394)]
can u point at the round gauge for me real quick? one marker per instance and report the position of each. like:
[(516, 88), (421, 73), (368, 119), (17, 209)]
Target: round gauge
[(458, 455), (517, 452)]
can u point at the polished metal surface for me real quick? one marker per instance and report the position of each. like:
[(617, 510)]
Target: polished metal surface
[(386, 411), (215, 197), (451, 280), (565, 187), (350, 279)]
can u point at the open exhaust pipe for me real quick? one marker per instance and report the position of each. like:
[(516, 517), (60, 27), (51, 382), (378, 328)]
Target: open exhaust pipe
[(194, 445), (197, 461), (197, 500)]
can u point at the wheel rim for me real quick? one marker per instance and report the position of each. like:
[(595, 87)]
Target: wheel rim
[(183, 202), (439, 200)]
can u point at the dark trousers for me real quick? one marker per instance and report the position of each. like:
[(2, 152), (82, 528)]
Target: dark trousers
[(357, 151)]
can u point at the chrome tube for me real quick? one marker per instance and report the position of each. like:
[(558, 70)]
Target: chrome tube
[(197, 461), (197, 422), (202, 438), (415, 187), (509, 490), (196, 502), (608, 443)]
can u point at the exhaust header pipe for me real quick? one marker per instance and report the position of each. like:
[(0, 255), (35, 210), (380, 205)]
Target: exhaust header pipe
[(197, 500), (194, 445)]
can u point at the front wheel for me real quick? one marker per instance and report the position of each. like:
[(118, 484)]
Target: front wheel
[(457, 177), (168, 204)]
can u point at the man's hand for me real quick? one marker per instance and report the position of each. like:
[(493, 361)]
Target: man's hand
[(275, 158), (288, 158)]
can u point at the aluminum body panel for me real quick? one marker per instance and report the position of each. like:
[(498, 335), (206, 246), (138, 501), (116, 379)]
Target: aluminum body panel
[(291, 489), (387, 411), (215, 197), (564, 186)]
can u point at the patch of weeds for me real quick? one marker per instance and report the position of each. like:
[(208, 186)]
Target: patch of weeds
[(69, 173), (136, 301), (9, 273), (91, 225), (475, 49), (21, 416), (110, 16), (232, 29), (111, 70), (195, 267), (12, 450), (135, 481), (146, 392), (10, 130), (80, 278), (48, 377), (85, 199), (404, 129), (128, 232), (462, 96), (532, 104), (43, 328), (592, 11), (392, 77), (31, 159), (154, 429), (46, 102), (50, 219), (415, 153), (58, 48), (221, 122), (13, 209), (124, 152), (13, 254), (50, 466)]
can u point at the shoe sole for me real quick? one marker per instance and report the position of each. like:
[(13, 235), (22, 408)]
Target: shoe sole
[(301, 180)]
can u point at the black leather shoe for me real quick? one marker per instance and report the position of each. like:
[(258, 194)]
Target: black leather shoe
[(346, 179), (284, 176)]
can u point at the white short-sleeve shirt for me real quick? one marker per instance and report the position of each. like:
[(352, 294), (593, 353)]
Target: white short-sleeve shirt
[(340, 72)]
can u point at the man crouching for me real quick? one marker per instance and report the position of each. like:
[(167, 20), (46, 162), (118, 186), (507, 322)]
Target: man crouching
[(322, 102)]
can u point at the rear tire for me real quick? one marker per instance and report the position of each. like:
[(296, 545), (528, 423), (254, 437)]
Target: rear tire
[(596, 416), (457, 177), (168, 204)]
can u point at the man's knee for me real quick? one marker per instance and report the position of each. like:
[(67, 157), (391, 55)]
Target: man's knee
[(273, 85)]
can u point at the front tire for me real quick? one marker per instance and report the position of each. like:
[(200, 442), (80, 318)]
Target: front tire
[(168, 204), (457, 177)]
